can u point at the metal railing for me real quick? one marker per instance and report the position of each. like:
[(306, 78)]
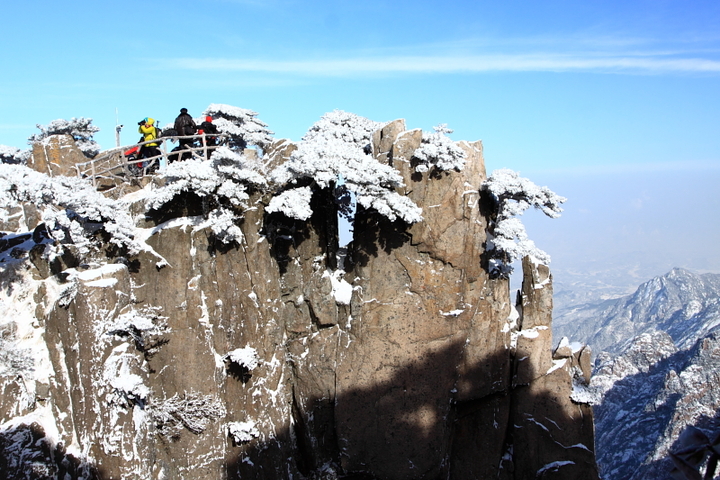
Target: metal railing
[(114, 165)]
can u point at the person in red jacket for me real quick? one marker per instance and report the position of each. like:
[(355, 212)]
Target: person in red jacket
[(208, 128)]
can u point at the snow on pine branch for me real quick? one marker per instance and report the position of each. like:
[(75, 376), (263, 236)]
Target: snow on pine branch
[(241, 124), (143, 327), (14, 360), (437, 149), (191, 410), (294, 203), (120, 373), (335, 150), (246, 357), (508, 240), (227, 177), (69, 206), (14, 155), (243, 432)]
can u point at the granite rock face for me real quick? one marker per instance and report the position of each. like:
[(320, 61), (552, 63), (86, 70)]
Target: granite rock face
[(57, 155), (399, 358)]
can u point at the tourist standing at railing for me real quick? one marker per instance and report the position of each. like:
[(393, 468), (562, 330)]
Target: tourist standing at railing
[(185, 126), (149, 132), (208, 128)]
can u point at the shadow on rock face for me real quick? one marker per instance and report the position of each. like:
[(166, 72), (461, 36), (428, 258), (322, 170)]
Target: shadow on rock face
[(286, 234), (187, 204), (25, 452), (415, 425), (372, 231)]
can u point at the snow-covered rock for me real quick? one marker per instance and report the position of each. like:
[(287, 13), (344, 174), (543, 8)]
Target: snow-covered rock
[(201, 328)]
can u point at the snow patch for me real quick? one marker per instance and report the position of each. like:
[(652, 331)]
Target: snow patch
[(552, 467), (246, 357), (243, 432), (341, 289)]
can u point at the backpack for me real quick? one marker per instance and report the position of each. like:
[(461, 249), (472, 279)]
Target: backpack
[(170, 132)]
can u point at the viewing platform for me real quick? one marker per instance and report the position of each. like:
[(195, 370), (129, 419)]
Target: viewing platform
[(122, 164)]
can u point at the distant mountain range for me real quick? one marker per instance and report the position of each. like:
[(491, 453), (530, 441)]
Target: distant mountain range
[(684, 305), (657, 369)]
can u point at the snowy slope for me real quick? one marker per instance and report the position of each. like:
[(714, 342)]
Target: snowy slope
[(656, 372), (655, 391)]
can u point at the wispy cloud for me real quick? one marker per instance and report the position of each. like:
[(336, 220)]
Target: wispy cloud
[(709, 167), (637, 63)]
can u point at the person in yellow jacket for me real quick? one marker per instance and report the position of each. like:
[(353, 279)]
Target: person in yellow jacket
[(149, 132)]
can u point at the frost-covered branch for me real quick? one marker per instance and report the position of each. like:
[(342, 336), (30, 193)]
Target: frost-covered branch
[(437, 149), (81, 129), (70, 206), (120, 373), (14, 155), (14, 360), (507, 238), (242, 125), (294, 203), (144, 327), (246, 357), (192, 411), (335, 150), (227, 178), (243, 432), (241, 361)]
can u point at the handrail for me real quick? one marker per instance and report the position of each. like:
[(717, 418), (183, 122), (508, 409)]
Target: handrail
[(107, 156)]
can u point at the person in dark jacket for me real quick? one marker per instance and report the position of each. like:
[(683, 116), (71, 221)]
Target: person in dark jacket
[(208, 128), (185, 125)]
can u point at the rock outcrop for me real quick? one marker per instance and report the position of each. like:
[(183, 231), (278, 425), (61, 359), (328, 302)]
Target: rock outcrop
[(57, 155), (282, 356)]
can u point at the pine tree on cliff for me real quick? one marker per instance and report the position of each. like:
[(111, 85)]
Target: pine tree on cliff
[(512, 195), (241, 124)]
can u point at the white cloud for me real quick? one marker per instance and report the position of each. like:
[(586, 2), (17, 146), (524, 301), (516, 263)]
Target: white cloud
[(581, 52), (634, 63), (683, 166)]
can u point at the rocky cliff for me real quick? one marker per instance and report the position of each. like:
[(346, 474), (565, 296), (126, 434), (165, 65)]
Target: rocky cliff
[(280, 354)]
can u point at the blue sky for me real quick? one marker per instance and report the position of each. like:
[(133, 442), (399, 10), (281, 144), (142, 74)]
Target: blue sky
[(571, 94)]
